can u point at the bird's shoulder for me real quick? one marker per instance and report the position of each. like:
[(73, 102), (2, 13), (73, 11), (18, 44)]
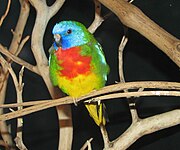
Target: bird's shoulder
[(90, 48)]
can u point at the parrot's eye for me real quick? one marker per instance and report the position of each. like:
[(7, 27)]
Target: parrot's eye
[(69, 31)]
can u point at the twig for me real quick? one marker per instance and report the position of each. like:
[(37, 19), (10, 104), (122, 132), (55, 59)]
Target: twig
[(146, 126), (131, 102), (24, 13), (18, 60), (134, 18), (131, 1), (6, 12), (87, 144), (105, 97), (105, 137), (136, 130), (121, 48), (136, 94), (109, 89), (30, 103), (21, 45), (19, 89), (13, 48), (18, 32), (55, 7), (69, 100), (44, 14), (97, 19), (6, 136), (93, 27)]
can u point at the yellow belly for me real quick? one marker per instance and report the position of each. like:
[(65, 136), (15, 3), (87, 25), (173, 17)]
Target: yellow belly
[(80, 85)]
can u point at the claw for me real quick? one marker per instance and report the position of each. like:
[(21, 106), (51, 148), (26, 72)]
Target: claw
[(74, 100)]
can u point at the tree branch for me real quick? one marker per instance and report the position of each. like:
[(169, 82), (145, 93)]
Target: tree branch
[(17, 34), (44, 13), (19, 89), (55, 7), (14, 48), (105, 90), (146, 126), (6, 12), (131, 102), (87, 145), (97, 19), (134, 18), (18, 60)]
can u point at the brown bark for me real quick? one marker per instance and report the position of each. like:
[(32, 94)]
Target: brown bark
[(134, 18)]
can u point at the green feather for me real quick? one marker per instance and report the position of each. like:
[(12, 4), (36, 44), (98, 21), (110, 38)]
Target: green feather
[(98, 64), (54, 66), (81, 37)]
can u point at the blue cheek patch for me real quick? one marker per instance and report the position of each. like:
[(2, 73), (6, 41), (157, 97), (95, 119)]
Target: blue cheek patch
[(66, 44), (55, 46)]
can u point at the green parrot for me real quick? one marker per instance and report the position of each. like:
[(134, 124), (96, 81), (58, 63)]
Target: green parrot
[(78, 65)]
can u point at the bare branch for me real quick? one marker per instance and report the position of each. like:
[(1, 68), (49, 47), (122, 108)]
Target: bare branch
[(121, 49), (131, 1), (14, 48), (134, 18), (146, 126), (19, 89), (17, 34), (30, 103), (132, 108), (6, 136), (131, 17), (4, 51), (21, 45), (97, 19), (105, 137), (6, 12), (3, 126), (44, 14), (36, 4), (113, 88), (87, 144), (108, 89), (55, 7), (136, 94)]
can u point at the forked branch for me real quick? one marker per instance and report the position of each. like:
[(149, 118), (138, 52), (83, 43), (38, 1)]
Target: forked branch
[(108, 92), (134, 18)]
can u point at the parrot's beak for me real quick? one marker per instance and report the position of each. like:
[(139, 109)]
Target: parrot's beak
[(57, 39)]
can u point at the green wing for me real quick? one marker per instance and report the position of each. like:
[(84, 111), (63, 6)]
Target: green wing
[(100, 67), (98, 64), (54, 66)]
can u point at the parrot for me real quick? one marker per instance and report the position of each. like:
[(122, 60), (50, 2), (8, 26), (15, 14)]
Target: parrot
[(77, 64)]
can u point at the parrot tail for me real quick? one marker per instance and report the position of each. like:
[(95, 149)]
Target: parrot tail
[(98, 113)]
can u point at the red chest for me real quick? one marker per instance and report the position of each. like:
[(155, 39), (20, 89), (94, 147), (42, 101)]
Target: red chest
[(72, 63)]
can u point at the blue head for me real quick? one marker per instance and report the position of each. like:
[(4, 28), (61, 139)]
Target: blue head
[(69, 34)]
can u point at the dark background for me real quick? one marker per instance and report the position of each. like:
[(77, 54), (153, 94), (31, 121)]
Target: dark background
[(142, 61)]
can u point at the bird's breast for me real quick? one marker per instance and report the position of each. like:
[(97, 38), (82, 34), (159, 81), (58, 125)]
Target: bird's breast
[(72, 63)]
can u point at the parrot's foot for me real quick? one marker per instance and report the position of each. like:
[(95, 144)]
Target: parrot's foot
[(98, 101), (93, 100), (74, 100)]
